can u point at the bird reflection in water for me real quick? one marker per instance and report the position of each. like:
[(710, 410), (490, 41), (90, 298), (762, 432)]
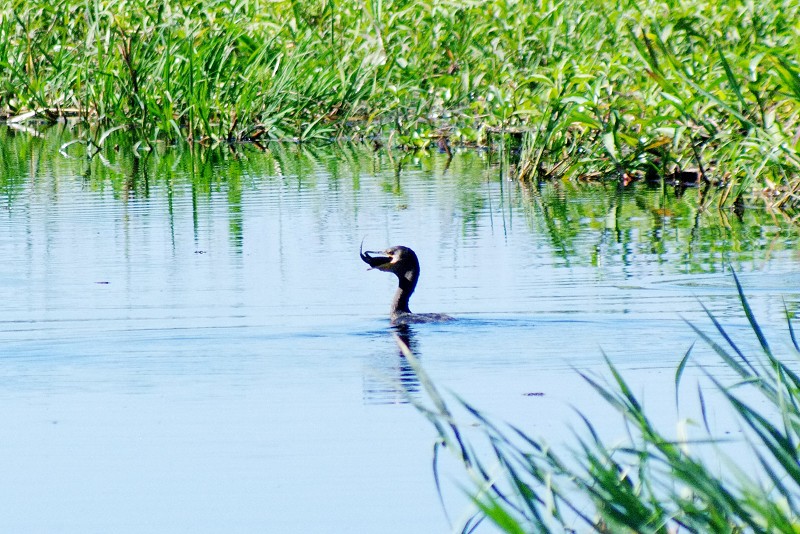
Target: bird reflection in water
[(392, 380)]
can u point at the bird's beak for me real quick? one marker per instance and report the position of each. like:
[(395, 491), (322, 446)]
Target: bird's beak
[(375, 260)]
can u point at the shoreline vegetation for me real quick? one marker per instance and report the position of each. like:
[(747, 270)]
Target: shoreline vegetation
[(680, 92)]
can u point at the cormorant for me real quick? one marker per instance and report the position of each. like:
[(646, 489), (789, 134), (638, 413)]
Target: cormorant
[(403, 262)]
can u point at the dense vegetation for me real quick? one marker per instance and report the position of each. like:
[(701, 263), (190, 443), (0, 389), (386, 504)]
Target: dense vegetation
[(653, 481), (687, 90)]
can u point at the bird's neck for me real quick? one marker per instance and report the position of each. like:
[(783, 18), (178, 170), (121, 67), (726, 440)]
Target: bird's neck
[(407, 283)]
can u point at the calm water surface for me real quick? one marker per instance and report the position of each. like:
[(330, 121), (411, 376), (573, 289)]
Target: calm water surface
[(191, 343)]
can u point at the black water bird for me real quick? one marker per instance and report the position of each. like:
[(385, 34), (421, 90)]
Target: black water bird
[(403, 262)]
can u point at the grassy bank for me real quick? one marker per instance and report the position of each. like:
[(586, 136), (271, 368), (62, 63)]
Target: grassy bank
[(585, 89), (703, 480)]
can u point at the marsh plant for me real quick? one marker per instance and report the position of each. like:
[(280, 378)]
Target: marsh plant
[(653, 482), (690, 91)]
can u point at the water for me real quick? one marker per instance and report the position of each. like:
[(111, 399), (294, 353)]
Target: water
[(191, 343)]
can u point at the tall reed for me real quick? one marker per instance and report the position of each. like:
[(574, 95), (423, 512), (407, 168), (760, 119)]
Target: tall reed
[(653, 482)]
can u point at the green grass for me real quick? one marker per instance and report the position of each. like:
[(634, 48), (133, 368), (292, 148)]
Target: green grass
[(586, 89), (653, 482)]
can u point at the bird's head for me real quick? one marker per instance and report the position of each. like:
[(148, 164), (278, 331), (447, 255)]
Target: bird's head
[(401, 261)]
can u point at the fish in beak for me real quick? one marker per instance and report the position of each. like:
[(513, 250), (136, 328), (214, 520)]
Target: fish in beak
[(376, 260)]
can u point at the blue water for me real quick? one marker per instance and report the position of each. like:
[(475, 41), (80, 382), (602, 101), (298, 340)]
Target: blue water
[(210, 355)]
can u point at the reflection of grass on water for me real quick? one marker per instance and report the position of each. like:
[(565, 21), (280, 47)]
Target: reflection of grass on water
[(653, 483), (594, 223), (584, 88), (601, 223)]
